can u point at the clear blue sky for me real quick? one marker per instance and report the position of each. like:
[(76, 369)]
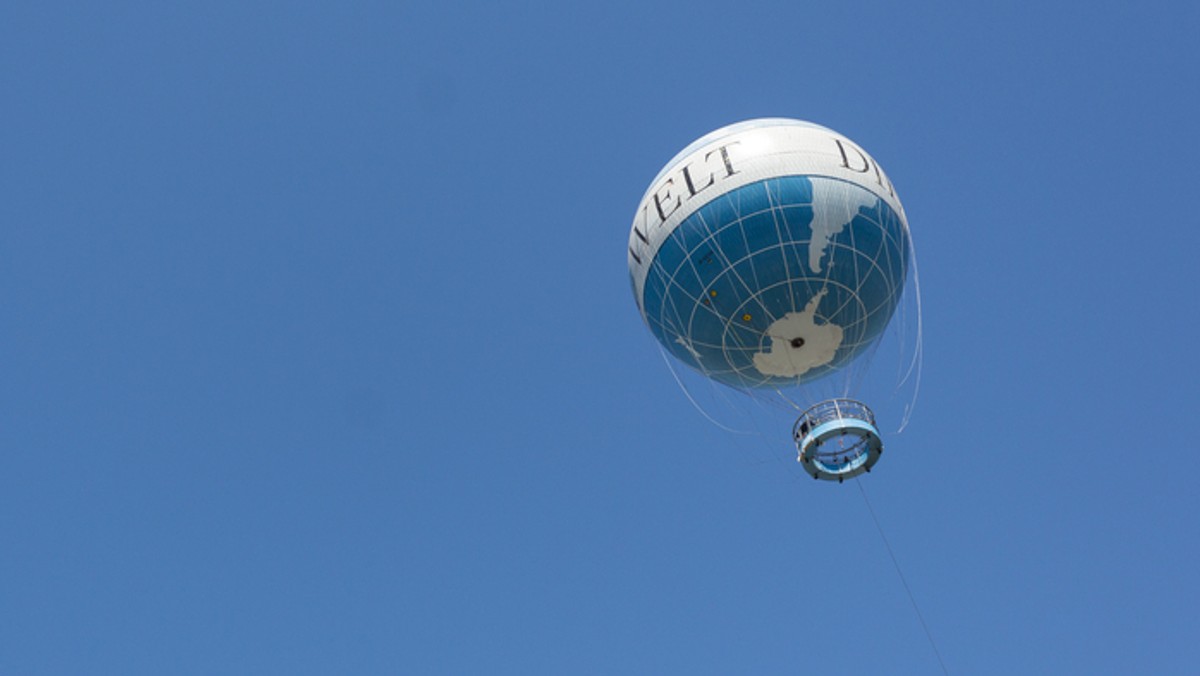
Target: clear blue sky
[(318, 353)]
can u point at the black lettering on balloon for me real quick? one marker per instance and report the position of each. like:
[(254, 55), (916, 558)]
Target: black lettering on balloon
[(640, 235), (724, 150), (692, 189), (660, 196), (666, 201), (866, 164)]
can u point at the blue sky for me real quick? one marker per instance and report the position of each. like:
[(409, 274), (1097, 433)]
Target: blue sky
[(318, 353)]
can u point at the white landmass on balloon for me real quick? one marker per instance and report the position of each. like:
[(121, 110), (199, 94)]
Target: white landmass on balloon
[(817, 346), (835, 204)]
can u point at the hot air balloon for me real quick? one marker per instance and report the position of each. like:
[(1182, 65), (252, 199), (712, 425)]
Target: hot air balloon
[(770, 255)]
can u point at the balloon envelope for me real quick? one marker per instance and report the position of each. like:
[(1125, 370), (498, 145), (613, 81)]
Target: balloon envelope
[(769, 253)]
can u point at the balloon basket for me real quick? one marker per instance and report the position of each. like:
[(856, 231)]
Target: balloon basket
[(837, 440)]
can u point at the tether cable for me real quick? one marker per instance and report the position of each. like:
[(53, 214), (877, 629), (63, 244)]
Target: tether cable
[(912, 599)]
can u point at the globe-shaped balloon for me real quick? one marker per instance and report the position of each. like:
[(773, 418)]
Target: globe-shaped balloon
[(769, 253)]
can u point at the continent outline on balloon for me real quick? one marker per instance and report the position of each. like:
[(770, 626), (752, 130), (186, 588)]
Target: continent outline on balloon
[(750, 234)]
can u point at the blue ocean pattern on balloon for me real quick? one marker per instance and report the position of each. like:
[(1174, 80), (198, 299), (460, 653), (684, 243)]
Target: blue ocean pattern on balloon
[(778, 282)]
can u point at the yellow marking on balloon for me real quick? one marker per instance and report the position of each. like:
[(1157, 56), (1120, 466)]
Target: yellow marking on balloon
[(713, 294), (746, 317)]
